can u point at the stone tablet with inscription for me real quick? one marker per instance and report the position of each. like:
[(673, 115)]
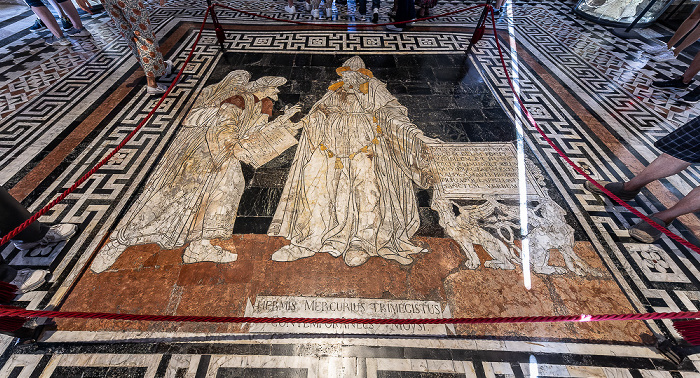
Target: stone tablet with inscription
[(472, 170), (358, 308)]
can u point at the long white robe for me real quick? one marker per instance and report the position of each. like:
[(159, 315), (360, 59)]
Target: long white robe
[(370, 202)]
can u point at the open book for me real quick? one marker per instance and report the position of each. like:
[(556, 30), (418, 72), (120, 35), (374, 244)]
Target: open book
[(264, 145)]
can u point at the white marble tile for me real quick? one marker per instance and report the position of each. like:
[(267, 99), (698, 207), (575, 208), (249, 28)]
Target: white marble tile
[(585, 371), (396, 364), (655, 374), (27, 361), (441, 366), (616, 373)]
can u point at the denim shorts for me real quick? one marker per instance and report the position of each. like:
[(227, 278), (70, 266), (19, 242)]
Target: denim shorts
[(39, 3)]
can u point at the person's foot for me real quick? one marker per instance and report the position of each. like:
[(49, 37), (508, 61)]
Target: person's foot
[(692, 96), (664, 57), (363, 17), (375, 15), (656, 49), (107, 256), (291, 253), (159, 89), (79, 33), (29, 279), (355, 257), (290, 10), (168, 68), (54, 41), (38, 25), (645, 232), (203, 250), (616, 188), (66, 23), (672, 83), (56, 233), (394, 28), (315, 14)]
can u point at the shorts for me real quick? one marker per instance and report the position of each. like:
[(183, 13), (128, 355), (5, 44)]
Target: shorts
[(683, 143), (39, 3)]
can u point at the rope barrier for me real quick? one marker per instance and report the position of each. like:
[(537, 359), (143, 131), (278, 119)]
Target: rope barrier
[(689, 326), (6, 311)]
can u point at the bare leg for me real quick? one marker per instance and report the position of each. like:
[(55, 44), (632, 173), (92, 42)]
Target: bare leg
[(692, 70), (290, 3), (663, 166), (692, 37), (57, 8), (72, 13), (151, 82), (688, 204), (48, 19), (685, 27)]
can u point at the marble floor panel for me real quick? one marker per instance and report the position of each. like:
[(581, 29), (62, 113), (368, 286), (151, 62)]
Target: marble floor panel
[(316, 172)]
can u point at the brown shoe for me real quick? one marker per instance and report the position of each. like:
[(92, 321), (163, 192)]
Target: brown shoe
[(615, 188)]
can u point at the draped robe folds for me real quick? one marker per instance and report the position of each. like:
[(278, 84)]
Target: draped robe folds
[(369, 203), (195, 191)]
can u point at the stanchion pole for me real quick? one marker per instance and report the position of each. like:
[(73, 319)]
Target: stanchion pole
[(480, 27), (220, 36)]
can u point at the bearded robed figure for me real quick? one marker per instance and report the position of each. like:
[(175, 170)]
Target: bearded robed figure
[(350, 191)]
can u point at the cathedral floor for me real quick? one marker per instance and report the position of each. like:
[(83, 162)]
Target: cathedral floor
[(313, 171)]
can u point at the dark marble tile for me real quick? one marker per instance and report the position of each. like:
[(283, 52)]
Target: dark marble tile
[(429, 223), (98, 372), (252, 225), (257, 201)]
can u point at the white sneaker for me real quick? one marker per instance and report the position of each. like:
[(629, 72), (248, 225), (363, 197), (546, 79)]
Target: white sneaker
[(29, 279), (664, 57), (315, 14), (79, 33), (52, 40), (307, 6), (394, 28), (159, 89), (656, 49), (168, 68), (363, 18), (290, 10), (56, 233)]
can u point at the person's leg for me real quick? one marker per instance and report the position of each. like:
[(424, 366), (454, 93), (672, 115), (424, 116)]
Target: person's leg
[(663, 166), (13, 214), (685, 27), (363, 7), (139, 36), (57, 8), (48, 19), (688, 204), (69, 8)]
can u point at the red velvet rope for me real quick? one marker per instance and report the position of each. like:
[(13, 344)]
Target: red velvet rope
[(11, 311), (19, 312)]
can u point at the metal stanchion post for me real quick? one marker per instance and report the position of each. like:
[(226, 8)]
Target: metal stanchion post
[(480, 27), (220, 37)]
